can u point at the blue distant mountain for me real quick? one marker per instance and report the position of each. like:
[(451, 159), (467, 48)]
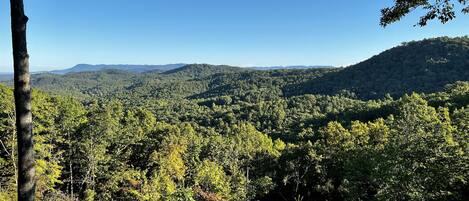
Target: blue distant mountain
[(6, 76), (124, 67), (143, 68), (158, 68)]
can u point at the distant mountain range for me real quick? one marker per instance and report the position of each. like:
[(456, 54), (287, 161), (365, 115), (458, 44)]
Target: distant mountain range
[(159, 68), (418, 66), (124, 67), (6, 76), (79, 68)]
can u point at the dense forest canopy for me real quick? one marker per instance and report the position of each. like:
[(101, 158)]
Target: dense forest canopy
[(394, 127), (420, 66)]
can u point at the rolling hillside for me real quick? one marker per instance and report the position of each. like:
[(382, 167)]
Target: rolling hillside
[(422, 66), (203, 70)]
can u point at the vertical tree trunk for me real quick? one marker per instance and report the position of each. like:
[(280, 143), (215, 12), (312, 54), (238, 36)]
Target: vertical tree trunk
[(26, 170), (70, 164)]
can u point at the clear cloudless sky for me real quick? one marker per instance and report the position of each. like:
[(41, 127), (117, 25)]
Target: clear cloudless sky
[(62, 33)]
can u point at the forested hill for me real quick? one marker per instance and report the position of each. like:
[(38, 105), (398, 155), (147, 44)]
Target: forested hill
[(423, 66), (191, 81), (418, 66), (233, 148), (202, 70)]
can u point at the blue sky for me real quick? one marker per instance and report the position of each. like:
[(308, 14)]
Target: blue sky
[(62, 33)]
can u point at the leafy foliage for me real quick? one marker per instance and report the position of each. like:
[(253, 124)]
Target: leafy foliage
[(419, 66), (442, 10)]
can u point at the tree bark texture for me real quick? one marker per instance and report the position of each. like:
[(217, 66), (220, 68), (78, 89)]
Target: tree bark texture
[(22, 92)]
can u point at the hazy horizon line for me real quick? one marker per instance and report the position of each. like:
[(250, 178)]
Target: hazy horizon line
[(130, 64)]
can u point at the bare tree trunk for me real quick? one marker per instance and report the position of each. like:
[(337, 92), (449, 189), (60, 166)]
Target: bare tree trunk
[(71, 165), (26, 170)]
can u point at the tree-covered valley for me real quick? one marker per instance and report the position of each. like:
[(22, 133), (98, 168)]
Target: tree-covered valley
[(393, 127)]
